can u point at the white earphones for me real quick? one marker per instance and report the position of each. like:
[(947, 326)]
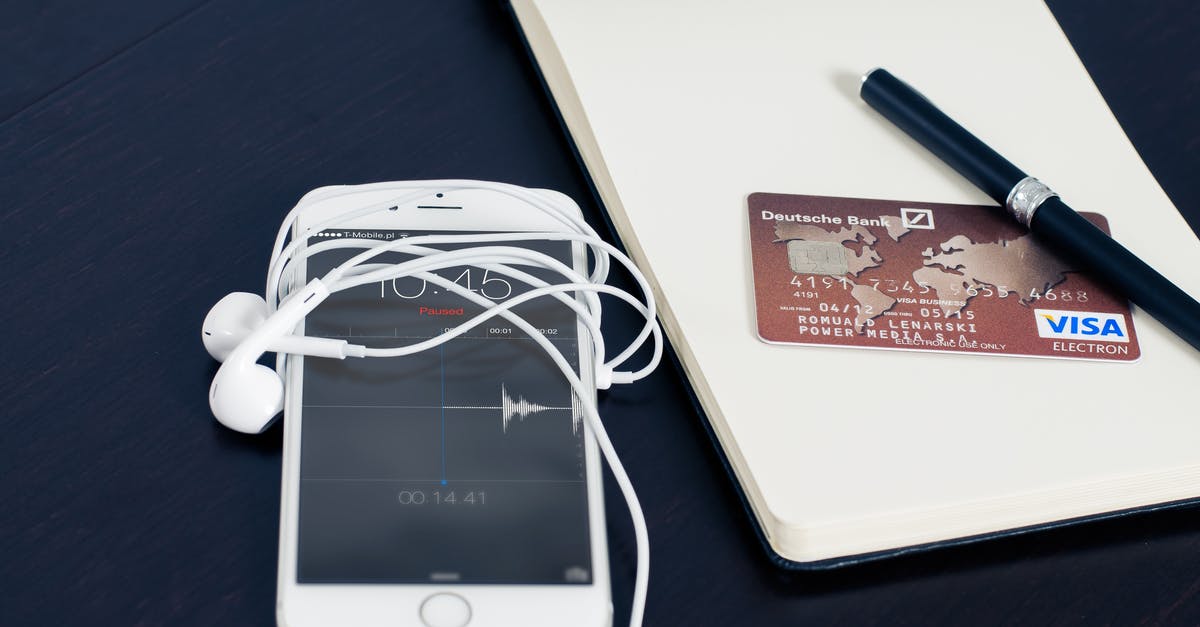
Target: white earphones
[(241, 327), (245, 395), (234, 317)]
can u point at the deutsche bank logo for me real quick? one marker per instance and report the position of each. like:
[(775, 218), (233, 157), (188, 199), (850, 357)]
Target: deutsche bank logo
[(916, 218), (1081, 325)]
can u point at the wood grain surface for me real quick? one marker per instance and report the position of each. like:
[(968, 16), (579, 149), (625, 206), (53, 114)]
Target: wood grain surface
[(147, 153)]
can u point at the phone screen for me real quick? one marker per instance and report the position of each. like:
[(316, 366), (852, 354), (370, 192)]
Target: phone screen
[(461, 464)]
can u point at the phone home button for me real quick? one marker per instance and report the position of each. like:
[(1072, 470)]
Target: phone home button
[(445, 609)]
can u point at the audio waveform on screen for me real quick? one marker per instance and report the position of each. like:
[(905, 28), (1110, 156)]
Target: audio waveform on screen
[(520, 408)]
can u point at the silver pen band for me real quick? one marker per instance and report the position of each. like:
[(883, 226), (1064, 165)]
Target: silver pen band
[(1025, 198)]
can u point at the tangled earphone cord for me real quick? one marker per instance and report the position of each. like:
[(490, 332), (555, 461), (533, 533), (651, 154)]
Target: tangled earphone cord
[(488, 257), (347, 275), (421, 189)]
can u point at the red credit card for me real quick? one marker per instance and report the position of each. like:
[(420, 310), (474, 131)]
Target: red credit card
[(924, 276)]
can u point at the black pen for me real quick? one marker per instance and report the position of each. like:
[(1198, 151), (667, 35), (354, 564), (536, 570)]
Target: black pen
[(1033, 204)]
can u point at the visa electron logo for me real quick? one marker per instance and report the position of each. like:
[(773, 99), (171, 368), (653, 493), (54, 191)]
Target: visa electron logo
[(1081, 325)]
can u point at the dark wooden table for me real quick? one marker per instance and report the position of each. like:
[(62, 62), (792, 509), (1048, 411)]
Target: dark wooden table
[(148, 151)]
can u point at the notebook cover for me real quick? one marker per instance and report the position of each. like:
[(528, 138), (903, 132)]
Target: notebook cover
[(671, 355)]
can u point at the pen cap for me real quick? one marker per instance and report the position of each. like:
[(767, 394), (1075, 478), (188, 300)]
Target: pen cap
[(914, 114), (1091, 250)]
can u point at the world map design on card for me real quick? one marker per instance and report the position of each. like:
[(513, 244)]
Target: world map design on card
[(924, 276)]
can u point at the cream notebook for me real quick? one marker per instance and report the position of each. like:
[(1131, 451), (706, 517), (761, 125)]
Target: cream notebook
[(680, 110)]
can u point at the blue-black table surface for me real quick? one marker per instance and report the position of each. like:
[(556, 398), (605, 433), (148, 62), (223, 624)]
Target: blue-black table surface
[(147, 153)]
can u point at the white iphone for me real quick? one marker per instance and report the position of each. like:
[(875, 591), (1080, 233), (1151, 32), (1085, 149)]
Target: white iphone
[(455, 487)]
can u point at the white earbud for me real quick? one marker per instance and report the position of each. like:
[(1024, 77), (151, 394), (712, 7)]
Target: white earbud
[(236, 315), (245, 395)]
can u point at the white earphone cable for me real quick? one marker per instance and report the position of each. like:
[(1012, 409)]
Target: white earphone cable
[(408, 245), (358, 271)]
